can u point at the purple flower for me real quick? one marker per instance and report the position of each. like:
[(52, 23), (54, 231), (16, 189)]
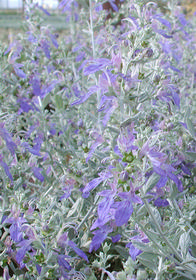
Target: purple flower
[(124, 208), (99, 236), (6, 168), (116, 238), (63, 263), (83, 98), (77, 250), (95, 182), (8, 139), (54, 41), (163, 20), (164, 34), (24, 247), (134, 21), (45, 47), (25, 105), (123, 212), (157, 158), (36, 85), (33, 150), (126, 139), (19, 72), (134, 251), (96, 65), (37, 173), (182, 19), (162, 182), (49, 87), (107, 80), (166, 171), (108, 104), (117, 60), (62, 240), (68, 185), (159, 202), (98, 141), (65, 5), (16, 222)]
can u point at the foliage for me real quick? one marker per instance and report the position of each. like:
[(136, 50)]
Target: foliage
[(97, 139)]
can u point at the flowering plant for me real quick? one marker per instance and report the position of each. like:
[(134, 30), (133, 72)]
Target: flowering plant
[(97, 139)]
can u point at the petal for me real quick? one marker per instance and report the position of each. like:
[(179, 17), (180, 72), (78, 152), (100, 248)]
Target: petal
[(77, 250), (123, 213)]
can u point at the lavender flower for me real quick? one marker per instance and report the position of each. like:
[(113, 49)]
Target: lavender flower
[(133, 251), (16, 221), (99, 236), (96, 65), (95, 182), (37, 173)]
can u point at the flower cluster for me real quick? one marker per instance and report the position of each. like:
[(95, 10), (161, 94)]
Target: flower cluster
[(97, 144)]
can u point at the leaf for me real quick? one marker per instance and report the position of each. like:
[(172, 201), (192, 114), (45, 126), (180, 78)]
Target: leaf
[(77, 207), (191, 128), (122, 251), (46, 100), (184, 243), (149, 260), (144, 247), (59, 102), (157, 215), (151, 183), (191, 155)]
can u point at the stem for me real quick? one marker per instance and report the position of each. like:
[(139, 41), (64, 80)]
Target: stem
[(88, 214), (91, 25), (169, 244), (176, 207)]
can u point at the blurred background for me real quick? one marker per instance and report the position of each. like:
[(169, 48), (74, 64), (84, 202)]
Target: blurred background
[(12, 14)]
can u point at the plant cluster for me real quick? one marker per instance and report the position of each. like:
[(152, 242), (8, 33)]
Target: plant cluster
[(97, 144)]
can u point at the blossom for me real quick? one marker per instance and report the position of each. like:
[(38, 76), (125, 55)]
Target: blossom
[(19, 72), (160, 202), (134, 251), (37, 173), (6, 168), (134, 21), (98, 141), (117, 60), (99, 236), (36, 85), (108, 104), (45, 46), (84, 97), (77, 250), (96, 65), (116, 238), (63, 241), (107, 80), (126, 139), (16, 221), (8, 139), (124, 208), (25, 105), (24, 247), (162, 20), (95, 182), (63, 263), (33, 150)]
